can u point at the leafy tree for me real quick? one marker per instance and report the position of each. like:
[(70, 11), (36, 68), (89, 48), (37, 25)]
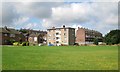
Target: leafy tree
[(96, 41), (10, 41), (23, 31), (113, 37)]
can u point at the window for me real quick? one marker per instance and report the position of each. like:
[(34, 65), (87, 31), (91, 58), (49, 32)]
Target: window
[(30, 38), (49, 35), (65, 38), (5, 34), (57, 37), (49, 38), (86, 32), (64, 33), (58, 29), (49, 42), (57, 41), (5, 41), (35, 38), (64, 29), (48, 30), (45, 38), (12, 35), (57, 33)]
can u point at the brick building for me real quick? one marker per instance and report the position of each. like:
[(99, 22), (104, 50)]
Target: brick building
[(7, 35), (58, 36), (87, 36), (35, 39)]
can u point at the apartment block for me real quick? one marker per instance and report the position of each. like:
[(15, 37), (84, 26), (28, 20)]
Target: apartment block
[(59, 36), (87, 36)]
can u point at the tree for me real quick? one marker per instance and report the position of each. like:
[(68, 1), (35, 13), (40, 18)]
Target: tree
[(113, 37), (23, 31), (96, 41)]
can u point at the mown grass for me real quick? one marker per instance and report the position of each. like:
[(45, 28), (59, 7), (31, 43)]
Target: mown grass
[(60, 58)]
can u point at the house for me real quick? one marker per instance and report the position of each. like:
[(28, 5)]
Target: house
[(9, 35), (28, 32), (37, 38), (59, 36), (87, 36)]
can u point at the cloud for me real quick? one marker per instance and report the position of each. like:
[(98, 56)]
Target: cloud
[(8, 14), (1, 9), (101, 16), (30, 25), (20, 20), (32, 9), (14, 12), (90, 15), (112, 19), (105, 17), (67, 14), (70, 13), (35, 9), (61, 1)]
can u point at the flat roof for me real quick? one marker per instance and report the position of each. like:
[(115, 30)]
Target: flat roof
[(86, 29), (61, 28)]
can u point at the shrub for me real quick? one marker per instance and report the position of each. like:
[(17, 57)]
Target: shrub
[(113, 37), (64, 45), (96, 41), (76, 44), (16, 43), (27, 43), (10, 42), (23, 44)]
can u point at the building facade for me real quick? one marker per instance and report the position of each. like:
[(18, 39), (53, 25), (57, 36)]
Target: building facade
[(36, 39), (61, 36), (8, 35), (87, 36), (28, 32)]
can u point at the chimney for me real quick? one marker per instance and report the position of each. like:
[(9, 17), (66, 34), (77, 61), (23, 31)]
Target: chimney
[(6, 28), (63, 26), (53, 27)]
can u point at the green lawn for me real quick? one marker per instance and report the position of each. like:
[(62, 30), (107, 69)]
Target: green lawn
[(60, 58)]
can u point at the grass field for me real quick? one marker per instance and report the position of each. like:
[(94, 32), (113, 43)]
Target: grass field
[(60, 58)]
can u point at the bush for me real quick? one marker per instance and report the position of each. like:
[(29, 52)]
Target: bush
[(10, 42), (76, 44), (27, 43), (64, 45), (113, 37), (23, 44), (96, 41), (16, 43)]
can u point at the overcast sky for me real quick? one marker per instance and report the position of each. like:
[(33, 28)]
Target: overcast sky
[(100, 16)]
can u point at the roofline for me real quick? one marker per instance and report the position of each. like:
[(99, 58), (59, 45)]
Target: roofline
[(7, 31), (86, 29), (61, 28)]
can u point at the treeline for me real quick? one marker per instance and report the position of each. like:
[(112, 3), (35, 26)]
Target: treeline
[(113, 37)]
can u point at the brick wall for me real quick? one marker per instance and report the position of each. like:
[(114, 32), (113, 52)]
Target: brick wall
[(80, 35)]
